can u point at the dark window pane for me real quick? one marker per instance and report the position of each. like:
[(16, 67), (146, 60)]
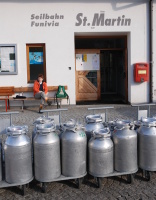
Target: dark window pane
[(35, 70), (36, 49), (92, 77), (99, 43)]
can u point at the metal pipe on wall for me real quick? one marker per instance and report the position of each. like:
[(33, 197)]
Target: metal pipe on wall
[(151, 48)]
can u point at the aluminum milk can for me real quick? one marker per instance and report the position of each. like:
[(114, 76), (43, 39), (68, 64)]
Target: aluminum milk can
[(100, 149), (17, 150), (147, 144), (46, 153), (93, 122), (74, 146), (125, 146)]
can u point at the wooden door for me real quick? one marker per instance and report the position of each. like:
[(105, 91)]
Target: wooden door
[(87, 81)]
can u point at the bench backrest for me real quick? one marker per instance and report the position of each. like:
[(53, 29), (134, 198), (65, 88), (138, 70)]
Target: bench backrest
[(7, 91), (30, 89)]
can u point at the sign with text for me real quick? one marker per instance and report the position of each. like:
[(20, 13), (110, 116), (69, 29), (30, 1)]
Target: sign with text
[(7, 59), (100, 19), (46, 20), (87, 62)]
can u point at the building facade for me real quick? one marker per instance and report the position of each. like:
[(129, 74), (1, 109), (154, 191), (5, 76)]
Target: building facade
[(90, 46)]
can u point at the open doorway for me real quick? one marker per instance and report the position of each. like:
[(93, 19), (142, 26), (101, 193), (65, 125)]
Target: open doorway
[(108, 83), (113, 76)]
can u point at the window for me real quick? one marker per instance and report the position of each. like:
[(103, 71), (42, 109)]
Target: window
[(8, 64), (92, 77), (99, 43), (36, 63)]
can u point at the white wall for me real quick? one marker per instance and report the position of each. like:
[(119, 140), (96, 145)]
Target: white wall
[(60, 51), (154, 51), (138, 52)]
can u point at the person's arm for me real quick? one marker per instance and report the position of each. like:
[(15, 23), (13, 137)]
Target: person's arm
[(36, 89), (45, 88)]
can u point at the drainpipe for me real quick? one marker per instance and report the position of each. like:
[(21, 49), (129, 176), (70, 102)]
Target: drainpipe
[(151, 48)]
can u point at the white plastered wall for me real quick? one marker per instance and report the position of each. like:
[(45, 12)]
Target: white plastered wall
[(59, 41), (154, 51)]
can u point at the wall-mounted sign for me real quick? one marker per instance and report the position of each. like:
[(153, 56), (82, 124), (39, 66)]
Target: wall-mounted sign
[(8, 59), (46, 20), (100, 19), (87, 62)]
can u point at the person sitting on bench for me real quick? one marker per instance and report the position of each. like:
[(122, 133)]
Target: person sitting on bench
[(41, 91)]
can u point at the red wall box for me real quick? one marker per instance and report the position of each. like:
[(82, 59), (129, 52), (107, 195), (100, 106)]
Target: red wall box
[(141, 72)]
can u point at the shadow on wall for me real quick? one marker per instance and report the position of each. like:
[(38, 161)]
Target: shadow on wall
[(115, 3)]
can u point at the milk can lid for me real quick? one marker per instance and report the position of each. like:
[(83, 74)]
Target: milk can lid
[(123, 123), (138, 123), (45, 128), (147, 121), (43, 120), (109, 123), (17, 130), (93, 118), (105, 132), (72, 125)]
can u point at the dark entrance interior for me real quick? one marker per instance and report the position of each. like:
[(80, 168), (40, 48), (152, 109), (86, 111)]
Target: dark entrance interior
[(113, 75), (112, 82)]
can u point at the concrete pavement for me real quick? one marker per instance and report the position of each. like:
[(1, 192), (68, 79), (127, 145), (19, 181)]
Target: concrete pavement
[(112, 188)]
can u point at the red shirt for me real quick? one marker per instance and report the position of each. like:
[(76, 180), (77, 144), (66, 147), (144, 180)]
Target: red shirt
[(36, 87)]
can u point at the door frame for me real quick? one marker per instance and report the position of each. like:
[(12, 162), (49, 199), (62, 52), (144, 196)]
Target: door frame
[(98, 51)]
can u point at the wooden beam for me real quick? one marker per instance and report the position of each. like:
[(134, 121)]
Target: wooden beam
[(23, 89), (30, 89), (7, 91)]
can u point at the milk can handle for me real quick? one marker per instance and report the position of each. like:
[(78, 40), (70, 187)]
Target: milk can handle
[(26, 128), (14, 134), (149, 125), (35, 122), (62, 127), (93, 120), (80, 127), (44, 133), (92, 133), (120, 129), (131, 126), (100, 136)]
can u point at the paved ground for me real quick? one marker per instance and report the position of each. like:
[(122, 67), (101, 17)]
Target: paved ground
[(112, 188)]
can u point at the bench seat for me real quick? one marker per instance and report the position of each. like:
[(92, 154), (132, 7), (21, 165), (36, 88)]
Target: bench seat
[(33, 99)]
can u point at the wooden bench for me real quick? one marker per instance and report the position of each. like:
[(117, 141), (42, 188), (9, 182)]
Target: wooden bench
[(30, 89), (5, 93)]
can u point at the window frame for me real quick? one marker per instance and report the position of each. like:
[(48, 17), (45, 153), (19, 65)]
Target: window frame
[(16, 66), (28, 65)]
